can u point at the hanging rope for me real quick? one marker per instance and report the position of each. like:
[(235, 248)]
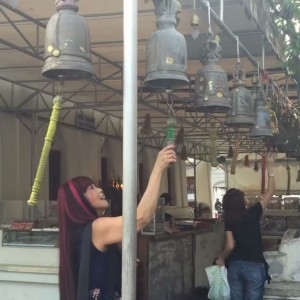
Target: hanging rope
[(57, 102)]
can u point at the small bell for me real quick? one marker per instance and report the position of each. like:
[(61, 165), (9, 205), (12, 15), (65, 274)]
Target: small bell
[(166, 50), (67, 44), (211, 85), (241, 113), (262, 125)]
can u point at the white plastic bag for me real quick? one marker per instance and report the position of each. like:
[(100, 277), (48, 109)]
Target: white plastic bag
[(219, 287)]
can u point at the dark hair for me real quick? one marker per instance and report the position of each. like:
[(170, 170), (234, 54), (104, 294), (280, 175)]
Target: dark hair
[(234, 208), (74, 212), (167, 198)]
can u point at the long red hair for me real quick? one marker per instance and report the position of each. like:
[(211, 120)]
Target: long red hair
[(74, 213)]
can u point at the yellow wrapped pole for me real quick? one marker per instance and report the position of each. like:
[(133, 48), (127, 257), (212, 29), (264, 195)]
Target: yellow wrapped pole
[(57, 102)]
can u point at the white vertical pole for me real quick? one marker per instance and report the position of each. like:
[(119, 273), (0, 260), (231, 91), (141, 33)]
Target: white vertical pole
[(129, 243)]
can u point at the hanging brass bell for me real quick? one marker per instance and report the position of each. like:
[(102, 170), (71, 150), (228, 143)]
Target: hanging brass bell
[(67, 44), (211, 85), (241, 113), (166, 50), (262, 125)]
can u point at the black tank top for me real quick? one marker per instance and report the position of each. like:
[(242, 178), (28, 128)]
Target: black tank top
[(105, 271)]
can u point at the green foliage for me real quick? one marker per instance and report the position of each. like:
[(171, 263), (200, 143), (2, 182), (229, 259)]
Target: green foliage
[(286, 16)]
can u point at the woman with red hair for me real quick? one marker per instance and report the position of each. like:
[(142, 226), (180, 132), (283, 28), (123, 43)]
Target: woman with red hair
[(81, 205)]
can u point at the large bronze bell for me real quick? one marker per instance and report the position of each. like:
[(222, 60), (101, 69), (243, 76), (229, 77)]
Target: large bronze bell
[(67, 44), (211, 85), (262, 125), (241, 113), (166, 49)]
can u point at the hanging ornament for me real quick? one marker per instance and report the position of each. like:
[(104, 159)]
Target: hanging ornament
[(195, 23), (263, 174), (230, 152), (235, 156), (183, 153), (288, 170), (213, 146), (179, 139), (146, 128), (256, 168), (247, 162)]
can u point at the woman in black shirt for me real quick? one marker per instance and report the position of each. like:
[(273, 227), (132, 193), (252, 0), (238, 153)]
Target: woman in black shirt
[(81, 205), (243, 246)]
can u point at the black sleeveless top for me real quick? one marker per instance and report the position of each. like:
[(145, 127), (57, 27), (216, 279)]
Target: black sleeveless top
[(104, 272)]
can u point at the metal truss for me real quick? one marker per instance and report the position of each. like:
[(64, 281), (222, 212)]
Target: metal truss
[(110, 123)]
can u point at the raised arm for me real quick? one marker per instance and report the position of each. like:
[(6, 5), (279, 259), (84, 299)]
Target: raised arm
[(271, 181), (108, 230)]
